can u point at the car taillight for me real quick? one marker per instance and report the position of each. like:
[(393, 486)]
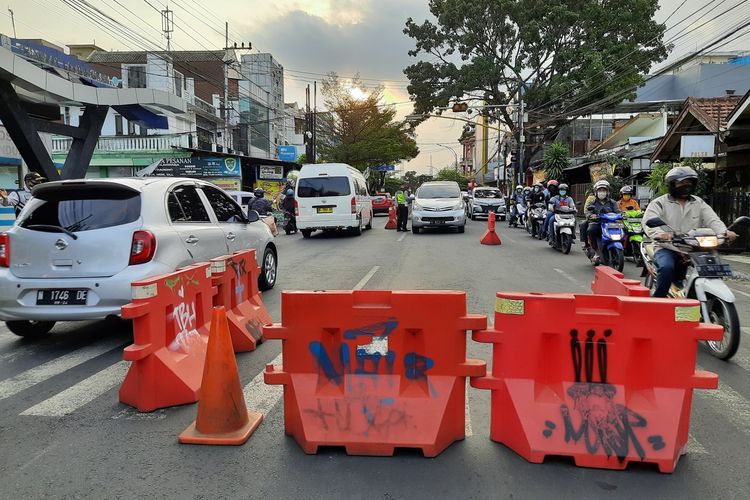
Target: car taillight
[(296, 208), (354, 204), (143, 247), (4, 250)]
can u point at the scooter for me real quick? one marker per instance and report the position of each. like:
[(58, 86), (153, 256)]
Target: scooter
[(704, 281), (563, 229), (535, 219), (610, 247), (634, 231), (518, 216)]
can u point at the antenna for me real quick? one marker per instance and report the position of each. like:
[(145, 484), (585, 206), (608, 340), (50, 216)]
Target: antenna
[(13, 20), (167, 25)]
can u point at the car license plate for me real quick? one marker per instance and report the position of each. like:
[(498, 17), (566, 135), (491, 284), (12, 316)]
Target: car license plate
[(61, 297), (325, 210)]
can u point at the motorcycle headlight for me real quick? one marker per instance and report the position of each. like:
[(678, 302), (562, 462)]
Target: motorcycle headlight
[(616, 237), (707, 241)]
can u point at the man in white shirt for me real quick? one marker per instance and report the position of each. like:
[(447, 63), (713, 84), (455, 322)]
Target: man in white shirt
[(18, 199)]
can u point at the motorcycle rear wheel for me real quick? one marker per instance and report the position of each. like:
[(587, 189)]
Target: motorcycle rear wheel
[(637, 255), (723, 314), (565, 243)]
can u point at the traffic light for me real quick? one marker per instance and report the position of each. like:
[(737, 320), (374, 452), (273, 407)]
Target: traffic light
[(460, 107)]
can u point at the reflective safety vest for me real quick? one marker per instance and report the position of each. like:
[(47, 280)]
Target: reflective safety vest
[(400, 198)]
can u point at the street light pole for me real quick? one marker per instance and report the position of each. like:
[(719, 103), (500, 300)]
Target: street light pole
[(454, 154)]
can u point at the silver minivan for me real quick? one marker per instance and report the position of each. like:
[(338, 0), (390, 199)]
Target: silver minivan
[(78, 245), (438, 204)]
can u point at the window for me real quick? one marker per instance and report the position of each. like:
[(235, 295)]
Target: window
[(438, 191), (178, 83), (131, 128), (225, 208), (185, 205), (118, 125), (323, 186), (137, 77)]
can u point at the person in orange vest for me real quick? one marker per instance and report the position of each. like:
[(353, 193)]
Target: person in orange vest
[(627, 200)]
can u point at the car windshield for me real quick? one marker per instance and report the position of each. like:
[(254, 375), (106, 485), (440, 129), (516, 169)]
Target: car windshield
[(487, 193), (318, 187), (436, 191)]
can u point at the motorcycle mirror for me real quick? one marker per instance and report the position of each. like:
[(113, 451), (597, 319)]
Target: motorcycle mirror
[(656, 222), (741, 222)]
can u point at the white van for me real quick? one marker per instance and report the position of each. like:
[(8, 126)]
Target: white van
[(332, 196)]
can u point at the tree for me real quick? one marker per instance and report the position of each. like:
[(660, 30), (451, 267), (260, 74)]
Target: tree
[(571, 58), (449, 174), (302, 159), (363, 132), (555, 161)]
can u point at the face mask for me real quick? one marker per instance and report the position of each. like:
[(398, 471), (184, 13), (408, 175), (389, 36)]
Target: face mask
[(683, 192), (626, 197), (536, 189), (563, 192), (602, 195)]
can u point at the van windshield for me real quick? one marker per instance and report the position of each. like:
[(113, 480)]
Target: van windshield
[(427, 192), (318, 187), (487, 193)]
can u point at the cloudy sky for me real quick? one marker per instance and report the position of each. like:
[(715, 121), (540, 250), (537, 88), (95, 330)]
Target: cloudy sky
[(310, 38)]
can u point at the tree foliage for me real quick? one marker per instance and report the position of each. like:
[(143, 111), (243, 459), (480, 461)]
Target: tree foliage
[(363, 132), (556, 160), (572, 57), (450, 174)]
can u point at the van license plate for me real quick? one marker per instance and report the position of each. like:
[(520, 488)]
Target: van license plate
[(61, 297), (325, 210)]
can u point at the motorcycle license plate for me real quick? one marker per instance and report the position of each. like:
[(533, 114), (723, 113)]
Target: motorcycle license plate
[(615, 225), (714, 270), (325, 210), (71, 297)]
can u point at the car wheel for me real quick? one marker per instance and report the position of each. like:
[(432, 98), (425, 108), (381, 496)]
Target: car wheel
[(473, 217), (30, 329), (306, 233), (461, 229), (268, 271), (414, 229), (357, 231)]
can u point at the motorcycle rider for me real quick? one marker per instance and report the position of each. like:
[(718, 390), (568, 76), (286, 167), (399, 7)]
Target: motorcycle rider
[(627, 200), (537, 194), (682, 212), (287, 205), (260, 204), (550, 192), (602, 204), (561, 200), (517, 199)]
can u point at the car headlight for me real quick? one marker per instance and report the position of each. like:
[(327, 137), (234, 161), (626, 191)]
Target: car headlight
[(416, 206), (707, 241), (458, 206)]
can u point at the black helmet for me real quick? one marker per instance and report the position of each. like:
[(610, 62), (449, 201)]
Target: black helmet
[(259, 193), (33, 177), (680, 174)]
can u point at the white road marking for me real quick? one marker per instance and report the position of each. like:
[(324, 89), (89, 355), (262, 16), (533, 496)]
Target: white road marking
[(401, 238), (17, 351), (368, 277), (84, 392), (694, 447), (567, 276), (741, 292), (38, 374), (260, 397), (468, 431), (731, 404)]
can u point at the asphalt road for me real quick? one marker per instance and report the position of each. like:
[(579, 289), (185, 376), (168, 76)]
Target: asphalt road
[(64, 434)]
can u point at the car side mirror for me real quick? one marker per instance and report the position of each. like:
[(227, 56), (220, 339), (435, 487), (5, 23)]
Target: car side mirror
[(412, 197), (656, 222), (253, 216)]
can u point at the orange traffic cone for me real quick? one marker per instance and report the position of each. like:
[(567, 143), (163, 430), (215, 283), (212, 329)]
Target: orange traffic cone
[(222, 415), (391, 224), (490, 236)]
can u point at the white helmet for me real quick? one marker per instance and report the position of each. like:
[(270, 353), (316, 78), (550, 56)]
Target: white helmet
[(602, 184)]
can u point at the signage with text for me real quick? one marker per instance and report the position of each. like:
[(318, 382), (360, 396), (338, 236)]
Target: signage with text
[(198, 167)]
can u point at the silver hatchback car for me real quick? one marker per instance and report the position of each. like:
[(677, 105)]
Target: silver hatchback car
[(78, 245), (438, 204)]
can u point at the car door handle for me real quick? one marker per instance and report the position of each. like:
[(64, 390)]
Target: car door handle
[(231, 236), (192, 240)]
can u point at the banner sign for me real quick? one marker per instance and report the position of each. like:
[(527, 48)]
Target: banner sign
[(271, 172), (287, 153), (200, 167), (384, 168)]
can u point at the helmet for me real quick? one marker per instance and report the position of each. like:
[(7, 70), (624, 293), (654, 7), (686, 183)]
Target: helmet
[(33, 178), (553, 182), (290, 192), (602, 184), (626, 190), (538, 184), (563, 187), (519, 188), (259, 193), (527, 189), (680, 174)]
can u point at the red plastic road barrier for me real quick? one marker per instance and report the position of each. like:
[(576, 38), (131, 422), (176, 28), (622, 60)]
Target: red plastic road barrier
[(371, 371), (391, 224), (171, 316), (236, 280), (573, 376), (608, 281), (490, 236)]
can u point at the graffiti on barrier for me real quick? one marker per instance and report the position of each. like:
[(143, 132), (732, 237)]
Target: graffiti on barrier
[(184, 318), (182, 280), (367, 415), (240, 270), (603, 424)]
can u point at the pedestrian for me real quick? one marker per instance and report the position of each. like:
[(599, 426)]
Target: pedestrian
[(18, 199), (402, 207)]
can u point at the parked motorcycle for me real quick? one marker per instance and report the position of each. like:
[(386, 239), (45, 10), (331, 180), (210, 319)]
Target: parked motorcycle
[(563, 229), (535, 220), (704, 281), (610, 247), (634, 231)]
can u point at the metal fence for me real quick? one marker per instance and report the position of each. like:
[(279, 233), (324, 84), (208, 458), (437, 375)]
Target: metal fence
[(730, 205)]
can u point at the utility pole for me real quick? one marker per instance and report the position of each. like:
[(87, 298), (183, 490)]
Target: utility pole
[(315, 122), (226, 88), (485, 142), (521, 136), (167, 26), (13, 21), (309, 153)]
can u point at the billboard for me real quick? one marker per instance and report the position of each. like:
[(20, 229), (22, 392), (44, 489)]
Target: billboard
[(287, 153), (201, 167), (697, 146)]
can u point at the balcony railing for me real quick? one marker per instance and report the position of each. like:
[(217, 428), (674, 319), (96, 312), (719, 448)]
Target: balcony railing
[(133, 142)]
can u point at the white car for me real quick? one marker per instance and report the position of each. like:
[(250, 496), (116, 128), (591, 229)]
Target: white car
[(78, 245), (332, 196), (438, 204)]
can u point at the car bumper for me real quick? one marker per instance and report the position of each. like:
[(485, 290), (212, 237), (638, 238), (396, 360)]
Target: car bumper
[(328, 223), (423, 218), (486, 209), (106, 296)]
